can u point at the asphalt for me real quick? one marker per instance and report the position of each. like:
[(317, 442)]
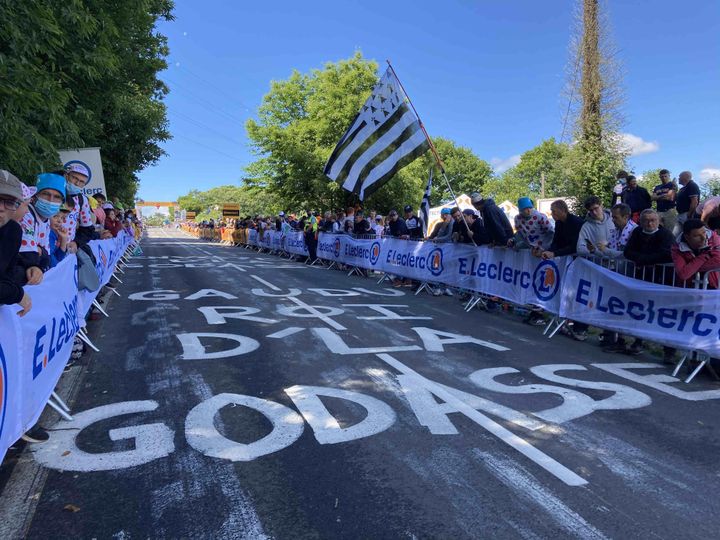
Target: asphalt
[(622, 460)]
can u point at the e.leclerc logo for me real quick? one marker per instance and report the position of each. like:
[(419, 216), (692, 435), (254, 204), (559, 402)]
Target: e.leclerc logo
[(3, 390), (435, 262), (546, 280), (374, 253), (338, 245)]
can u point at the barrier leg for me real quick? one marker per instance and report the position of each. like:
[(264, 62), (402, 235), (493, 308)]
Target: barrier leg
[(557, 328), (118, 269), (59, 410), (99, 308), (383, 278), (60, 402), (696, 371), (113, 290), (679, 364), (423, 286), (83, 336), (333, 264), (553, 320), (474, 301), (317, 260), (115, 276)]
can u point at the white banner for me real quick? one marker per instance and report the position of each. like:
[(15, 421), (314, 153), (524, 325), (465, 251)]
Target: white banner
[(685, 318), (35, 349), (90, 157), (107, 253), (47, 333), (10, 405)]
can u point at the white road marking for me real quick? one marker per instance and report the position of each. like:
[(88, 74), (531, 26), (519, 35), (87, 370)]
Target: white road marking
[(266, 283), (151, 441), (387, 315), (220, 314), (525, 486), (312, 312), (193, 349), (326, 428), (336, 345), (201, 433), (543, 460), (286, 332)]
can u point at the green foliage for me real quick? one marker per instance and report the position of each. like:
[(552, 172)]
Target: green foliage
[(156, 220), (549, 158), (592, 166), (711, 188), (208, 204), (301, 120), (650, 179), (83, 73)]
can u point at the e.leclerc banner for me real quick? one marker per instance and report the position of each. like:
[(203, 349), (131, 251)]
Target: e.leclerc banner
[(686, 318), (46, 339), (516, 276)]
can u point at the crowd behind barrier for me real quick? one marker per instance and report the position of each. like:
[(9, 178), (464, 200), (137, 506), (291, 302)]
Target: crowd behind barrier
[(35, 348), (641, 298)]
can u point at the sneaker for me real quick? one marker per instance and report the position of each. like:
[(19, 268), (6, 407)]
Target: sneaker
[(579, 336), (437, 292), (535, 320), (634, 350), (448, 292), (397, 283), (35, 434)]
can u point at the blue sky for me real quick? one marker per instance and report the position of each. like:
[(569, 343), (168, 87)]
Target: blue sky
[(488, 74)]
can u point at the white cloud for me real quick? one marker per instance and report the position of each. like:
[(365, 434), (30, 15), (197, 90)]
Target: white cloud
[(636, 146), (501, 165), (709, 173)]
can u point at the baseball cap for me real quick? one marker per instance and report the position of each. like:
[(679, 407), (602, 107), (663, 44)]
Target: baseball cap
[(78, 168), (408, 208), (469, 212), (445, 212), (281, 214), (10, 185), (27, 191), (378, 218), (475, 197), (524, 202)]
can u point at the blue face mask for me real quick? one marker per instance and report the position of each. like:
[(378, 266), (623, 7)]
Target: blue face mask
[(46, 209), (72, 189)]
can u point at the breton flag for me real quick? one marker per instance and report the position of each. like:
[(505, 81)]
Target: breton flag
[(425, 205), (383, 138)]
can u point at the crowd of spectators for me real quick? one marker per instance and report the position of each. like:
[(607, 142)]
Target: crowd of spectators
[(665, 237), (41, 224)]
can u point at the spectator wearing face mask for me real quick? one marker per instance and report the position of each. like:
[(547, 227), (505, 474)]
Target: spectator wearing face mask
[(80, 220), (10, 237), (34, 256)]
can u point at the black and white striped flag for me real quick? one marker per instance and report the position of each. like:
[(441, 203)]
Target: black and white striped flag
[(383, 138), (425, 204)]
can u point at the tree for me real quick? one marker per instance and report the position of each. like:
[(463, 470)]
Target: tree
[(711, 187), (548, 161), (252, 201), (301, 120), (595, 100), (299, 123), (649, 179), (83, 73)]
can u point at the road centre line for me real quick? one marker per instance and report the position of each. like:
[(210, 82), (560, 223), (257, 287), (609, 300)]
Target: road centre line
[(266, 283)]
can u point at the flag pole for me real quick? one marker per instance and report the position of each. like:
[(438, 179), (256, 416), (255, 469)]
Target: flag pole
[(430, 143)]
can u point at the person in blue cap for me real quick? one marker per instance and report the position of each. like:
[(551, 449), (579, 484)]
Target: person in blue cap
[(533, 229), (442, 232), (33, 259)]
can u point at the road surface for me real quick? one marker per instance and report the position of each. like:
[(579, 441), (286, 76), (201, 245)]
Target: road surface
[(241, 395)]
